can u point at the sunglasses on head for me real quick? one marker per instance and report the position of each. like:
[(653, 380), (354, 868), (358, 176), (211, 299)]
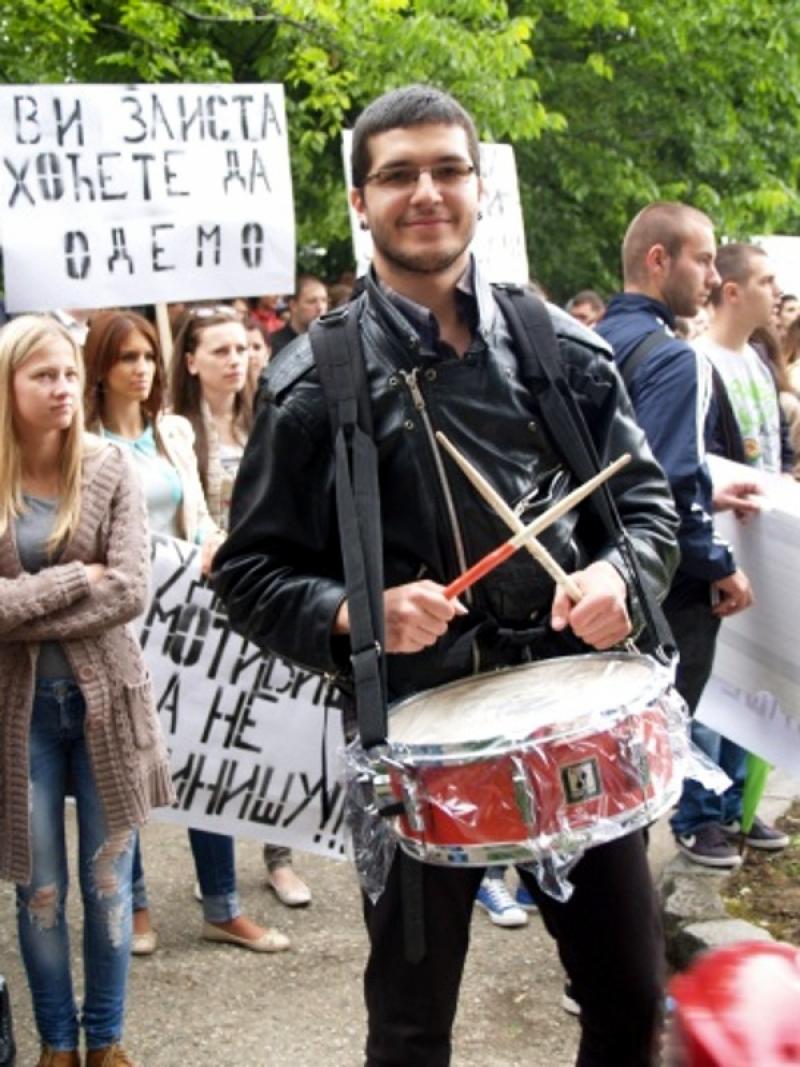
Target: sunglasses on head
[(206, 312)]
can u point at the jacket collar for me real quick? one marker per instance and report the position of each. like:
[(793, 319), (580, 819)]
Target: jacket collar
[(640, 302), (418, 322)]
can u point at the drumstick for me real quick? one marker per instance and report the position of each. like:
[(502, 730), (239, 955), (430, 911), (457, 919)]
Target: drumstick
[(503, 552), (512, 520)]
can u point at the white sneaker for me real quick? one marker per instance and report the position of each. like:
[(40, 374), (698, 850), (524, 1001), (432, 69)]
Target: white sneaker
[(497, 902)]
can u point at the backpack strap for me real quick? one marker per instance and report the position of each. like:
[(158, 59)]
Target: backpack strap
[(336, 347), (640, 354), (540, 357)]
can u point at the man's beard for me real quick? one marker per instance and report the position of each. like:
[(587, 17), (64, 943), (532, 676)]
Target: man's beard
[(424, 261), (681, 301)]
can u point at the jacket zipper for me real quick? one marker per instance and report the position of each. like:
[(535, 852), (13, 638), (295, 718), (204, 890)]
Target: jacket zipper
[(410, 378)]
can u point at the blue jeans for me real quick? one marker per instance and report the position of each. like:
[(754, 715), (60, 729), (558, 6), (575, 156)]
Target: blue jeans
[(688, 610), (216, 872), (58, 756), (699, 806)]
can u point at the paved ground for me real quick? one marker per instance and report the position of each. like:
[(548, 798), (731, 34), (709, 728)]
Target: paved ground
[(195, 1001)]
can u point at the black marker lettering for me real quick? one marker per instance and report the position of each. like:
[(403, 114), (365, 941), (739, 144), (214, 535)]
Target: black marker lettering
[(26, 112), (120, 250), (158, 250), (19, 181), (252, 244), (63, 122), (76, 254)]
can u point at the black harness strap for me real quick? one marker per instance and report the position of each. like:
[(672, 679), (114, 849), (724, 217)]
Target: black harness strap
[(537, 346), (336, 345), (337, 352)]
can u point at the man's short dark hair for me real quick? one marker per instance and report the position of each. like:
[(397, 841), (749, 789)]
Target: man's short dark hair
[(302, 281), (587, 296), (734, 263), (413, 105), (666, 223)]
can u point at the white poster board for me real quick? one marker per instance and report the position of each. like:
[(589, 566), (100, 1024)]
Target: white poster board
[(244, 730), (784, 254), (499, 243), (754, 694), (134, 194)]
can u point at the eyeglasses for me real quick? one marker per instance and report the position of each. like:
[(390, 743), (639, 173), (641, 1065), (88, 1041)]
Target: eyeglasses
[(206, 312), (404, 179)]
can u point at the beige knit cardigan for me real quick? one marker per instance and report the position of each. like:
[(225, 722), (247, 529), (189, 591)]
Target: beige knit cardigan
[(123, 736)]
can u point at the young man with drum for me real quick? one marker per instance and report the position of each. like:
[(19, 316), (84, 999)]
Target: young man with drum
[(439, 355)]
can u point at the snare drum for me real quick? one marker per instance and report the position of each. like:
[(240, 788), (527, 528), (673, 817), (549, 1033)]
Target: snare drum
[(547, 757)]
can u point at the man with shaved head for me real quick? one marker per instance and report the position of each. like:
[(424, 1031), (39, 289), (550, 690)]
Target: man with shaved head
[(668, 258)]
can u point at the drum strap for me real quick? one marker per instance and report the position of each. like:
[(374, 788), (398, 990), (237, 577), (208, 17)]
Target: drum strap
[(540, 366), (336, 346)]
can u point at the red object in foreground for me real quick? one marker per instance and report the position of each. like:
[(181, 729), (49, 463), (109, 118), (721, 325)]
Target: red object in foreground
[(738, 1006)]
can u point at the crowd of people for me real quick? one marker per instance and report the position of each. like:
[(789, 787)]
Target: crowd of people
[(103, 442)]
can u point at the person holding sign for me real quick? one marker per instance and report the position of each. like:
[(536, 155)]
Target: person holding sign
[(125, 385), (210, 389), (73, 572)]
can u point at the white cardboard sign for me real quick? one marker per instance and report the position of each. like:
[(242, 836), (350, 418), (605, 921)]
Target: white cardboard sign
[(754, 694), (134, 194), (245, 730)]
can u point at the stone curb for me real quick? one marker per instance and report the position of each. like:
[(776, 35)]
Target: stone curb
[(693, 910)]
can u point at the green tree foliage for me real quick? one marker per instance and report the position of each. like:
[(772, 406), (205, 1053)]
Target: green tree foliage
[(610, 103), (680, 100)]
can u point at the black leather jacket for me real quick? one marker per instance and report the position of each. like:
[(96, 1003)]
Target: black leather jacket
[(280, 571)]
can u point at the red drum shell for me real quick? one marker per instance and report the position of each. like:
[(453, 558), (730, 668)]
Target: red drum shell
[(541, 785)]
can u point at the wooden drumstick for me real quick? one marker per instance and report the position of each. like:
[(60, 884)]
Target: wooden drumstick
[(524, 535), (513, 521)]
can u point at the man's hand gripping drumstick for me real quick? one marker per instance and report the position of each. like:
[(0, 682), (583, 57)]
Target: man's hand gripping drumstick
[(592, 601)]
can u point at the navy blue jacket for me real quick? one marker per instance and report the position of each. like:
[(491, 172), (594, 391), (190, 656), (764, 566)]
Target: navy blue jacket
[(670, 391)]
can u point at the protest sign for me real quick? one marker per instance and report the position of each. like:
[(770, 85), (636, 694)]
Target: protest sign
[(499, 242), (754, 693), (245, 731), (124, 195)]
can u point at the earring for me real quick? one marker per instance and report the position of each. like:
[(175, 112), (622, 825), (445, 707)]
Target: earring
[(363, 224), (480, 216)]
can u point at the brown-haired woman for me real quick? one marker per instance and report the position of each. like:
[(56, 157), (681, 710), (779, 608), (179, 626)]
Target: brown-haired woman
[(125, 383), (210, 388)]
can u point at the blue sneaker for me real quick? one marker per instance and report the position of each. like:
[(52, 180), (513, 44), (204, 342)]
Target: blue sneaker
[(524, 900), (497, 902)]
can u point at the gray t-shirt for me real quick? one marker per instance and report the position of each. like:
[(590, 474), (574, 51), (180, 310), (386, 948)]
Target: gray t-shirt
[(31, 530)]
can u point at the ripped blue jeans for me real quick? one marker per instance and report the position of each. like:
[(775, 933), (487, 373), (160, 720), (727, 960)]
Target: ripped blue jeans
[(59, 760)]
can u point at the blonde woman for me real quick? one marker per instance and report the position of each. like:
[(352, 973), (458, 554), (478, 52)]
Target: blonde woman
[(124, 396), (77, 706)]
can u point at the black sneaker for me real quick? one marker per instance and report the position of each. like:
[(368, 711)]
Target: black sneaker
[(759, 835), (709, 847), (568, 1001)]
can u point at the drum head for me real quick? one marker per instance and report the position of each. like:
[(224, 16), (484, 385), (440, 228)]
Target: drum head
[(543, 698)]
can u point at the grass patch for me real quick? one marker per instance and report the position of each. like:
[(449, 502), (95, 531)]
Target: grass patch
[(766, 888)]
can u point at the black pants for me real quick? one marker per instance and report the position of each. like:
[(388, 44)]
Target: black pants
[(695, 629), (609, 939)]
